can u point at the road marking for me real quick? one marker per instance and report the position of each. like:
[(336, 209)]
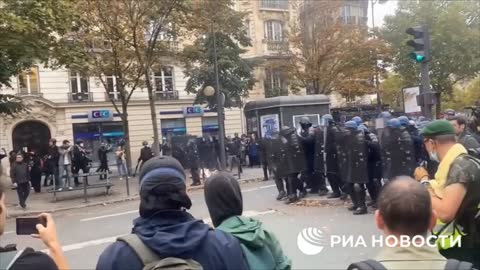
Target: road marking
[(90, 243), (258, 188), (107, 240), (107, 216), (9, 232)]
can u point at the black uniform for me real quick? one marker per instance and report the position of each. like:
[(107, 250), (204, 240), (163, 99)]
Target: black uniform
[(352, 149), (80, 162), (102, 156), (51, 165), (307, 138), (146, 154), (374, 166), (193, 160), (326, 163), (295, 162)]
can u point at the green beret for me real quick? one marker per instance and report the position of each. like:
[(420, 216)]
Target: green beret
[(437, 128)]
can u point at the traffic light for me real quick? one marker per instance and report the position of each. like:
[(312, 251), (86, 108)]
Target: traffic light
[(420, 43)]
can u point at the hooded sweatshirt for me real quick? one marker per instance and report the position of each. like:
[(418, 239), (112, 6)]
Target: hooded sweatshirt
[(225, 204), (261, 248), (175, 233)]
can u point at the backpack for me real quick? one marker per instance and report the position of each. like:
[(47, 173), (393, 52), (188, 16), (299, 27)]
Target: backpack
[(152, 261), (8, 258), (451, 264)]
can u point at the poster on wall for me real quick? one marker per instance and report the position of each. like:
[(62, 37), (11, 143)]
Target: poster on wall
[(270, 125), (314, 119), (410, 99)]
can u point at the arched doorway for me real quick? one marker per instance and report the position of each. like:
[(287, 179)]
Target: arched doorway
[(33, 135)]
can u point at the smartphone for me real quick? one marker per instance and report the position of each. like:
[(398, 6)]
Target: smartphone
[(28, 225)]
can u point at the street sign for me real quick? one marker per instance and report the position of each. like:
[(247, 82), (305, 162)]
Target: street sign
[(193, 111), (100, 116)]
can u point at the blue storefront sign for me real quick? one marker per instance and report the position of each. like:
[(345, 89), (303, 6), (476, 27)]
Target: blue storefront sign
[(100, 116), (193, 111)]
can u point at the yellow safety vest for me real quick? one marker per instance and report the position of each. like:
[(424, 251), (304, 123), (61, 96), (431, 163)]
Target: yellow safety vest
[(449, 232)]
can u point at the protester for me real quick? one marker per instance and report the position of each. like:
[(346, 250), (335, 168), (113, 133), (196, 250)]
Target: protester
[(146, 153), (253, 152), (28, 259), (463, 136), (225, 205), (121, 162), (454, 192), (36, 170), (80, 162), (20, 175), (404, 209), (165, 229), (51, 164), (103, 157), (64, 165)]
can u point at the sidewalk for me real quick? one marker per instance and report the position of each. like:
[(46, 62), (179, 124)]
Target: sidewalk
[(43, 202)]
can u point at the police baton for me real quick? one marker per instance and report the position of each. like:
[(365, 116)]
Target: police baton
[(136, 168)]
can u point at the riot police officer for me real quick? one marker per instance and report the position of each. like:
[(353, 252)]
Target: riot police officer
[(355, 173), (193, 161), (326, 156), (295, 160), (307, 138), (374, 165), (402, 152)]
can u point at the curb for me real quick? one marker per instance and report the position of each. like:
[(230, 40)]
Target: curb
[(131, 198), (36, 212)]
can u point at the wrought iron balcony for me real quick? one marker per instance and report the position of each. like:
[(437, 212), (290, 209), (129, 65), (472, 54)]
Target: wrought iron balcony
[(166, 95), (23, 93), (80, 97), (273, 46)]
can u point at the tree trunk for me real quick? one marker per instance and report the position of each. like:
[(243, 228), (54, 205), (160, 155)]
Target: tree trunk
[(126, 135), (153, 112)]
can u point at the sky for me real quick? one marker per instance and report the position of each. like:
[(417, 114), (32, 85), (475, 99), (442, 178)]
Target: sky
[(380, 11)]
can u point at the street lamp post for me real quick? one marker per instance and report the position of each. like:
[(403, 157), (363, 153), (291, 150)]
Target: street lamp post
[(210, 91)]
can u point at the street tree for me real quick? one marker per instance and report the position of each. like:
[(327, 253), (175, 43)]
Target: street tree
[(28, 31), (154, 28), (454, 32), (391, 91), (98, 46), (217, 22), (331, 55)]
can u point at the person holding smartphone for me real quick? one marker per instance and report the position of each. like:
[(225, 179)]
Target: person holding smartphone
[(29, 259)]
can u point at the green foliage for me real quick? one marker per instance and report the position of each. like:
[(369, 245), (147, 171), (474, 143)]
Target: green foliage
[(235, 74), (462, 97), (391, 91), (455, 37)]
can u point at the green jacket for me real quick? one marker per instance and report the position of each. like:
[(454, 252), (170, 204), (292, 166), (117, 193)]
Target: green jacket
[(261, 248)]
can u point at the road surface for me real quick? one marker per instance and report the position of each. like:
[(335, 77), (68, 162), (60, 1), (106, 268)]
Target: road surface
[(84, 233)]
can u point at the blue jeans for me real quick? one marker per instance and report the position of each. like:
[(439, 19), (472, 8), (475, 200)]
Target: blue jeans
[(122, 168), (64, 170)]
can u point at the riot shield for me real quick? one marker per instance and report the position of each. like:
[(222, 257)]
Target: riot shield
[(357, 171), (276, 158), (320, 155), (341, 137), (386, 149), (180, 149), (294, 153), (402, 154)]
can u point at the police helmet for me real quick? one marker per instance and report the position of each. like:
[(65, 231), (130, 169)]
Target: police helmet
[(351, 125), (393, 123), (404, 121), (357, 120)]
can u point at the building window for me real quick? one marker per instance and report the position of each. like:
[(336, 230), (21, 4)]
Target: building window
[(78, 86), (274, 83), (28, 82), (173, 127), (164, 79), (164, 88), (247, 28), (353, 14), (112, 89), (274, 4), (273, 30)]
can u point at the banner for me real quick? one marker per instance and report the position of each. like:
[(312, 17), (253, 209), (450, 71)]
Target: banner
[(270, 125)]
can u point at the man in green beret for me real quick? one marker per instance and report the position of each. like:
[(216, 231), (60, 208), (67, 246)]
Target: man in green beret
[(455, 193)]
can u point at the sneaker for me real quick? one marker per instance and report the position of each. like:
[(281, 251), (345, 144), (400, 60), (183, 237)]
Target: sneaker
[(60, 189), (70, 188), (360, 211), (121, 179)]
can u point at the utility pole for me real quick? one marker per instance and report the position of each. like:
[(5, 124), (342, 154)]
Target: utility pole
[(377, 90)]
